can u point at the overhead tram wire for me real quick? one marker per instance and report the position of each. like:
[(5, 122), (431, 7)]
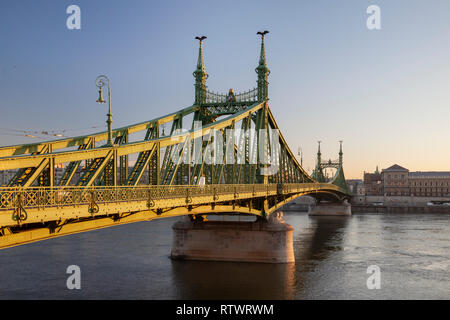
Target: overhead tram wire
[(42, 133)]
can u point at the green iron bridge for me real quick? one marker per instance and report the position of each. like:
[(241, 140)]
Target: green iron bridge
[(99, 189)]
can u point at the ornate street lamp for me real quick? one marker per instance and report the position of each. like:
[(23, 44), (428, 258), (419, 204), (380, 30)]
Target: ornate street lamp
[(300, 154), (100, 82)]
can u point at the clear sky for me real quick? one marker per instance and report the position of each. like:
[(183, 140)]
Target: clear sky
[(384, 92)]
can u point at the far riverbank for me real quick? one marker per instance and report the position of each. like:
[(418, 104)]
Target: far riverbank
[(364, 208)]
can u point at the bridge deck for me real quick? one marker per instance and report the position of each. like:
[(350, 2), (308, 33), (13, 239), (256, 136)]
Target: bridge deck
[(31, 214), (42, 204), (234, 145)]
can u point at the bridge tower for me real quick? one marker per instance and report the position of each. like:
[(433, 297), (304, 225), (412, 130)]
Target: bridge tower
[(318, 171), (263, 95), (269, 241), (242, 165), (327, 207), (263, 71), (200, 75)]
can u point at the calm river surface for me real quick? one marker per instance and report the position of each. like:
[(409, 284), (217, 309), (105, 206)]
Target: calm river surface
[(332, 255)]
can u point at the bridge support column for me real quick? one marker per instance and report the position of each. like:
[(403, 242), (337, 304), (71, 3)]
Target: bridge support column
[(261, 241), (331, 209)]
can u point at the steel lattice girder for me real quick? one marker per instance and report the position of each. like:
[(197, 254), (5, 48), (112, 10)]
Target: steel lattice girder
[(25, 161), (43, 204), (130, 204), (173, 188), (288, 161), (9, 151)]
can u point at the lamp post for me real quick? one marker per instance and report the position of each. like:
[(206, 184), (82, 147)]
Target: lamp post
[(300, 153), (100, 82)]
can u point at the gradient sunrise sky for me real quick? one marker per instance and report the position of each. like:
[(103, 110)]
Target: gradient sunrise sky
[(384, 92)]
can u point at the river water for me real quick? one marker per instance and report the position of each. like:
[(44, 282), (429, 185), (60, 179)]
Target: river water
[(332, 256)]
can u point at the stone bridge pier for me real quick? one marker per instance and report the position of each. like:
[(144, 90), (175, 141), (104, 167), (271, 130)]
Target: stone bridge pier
[(266, 241), (331, 209)]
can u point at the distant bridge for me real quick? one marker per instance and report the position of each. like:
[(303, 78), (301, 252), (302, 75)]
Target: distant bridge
[(232, 160)]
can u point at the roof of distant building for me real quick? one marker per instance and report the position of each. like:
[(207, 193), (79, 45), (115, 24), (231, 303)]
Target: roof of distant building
[(395, 167), (372, 174), (354, 181), (430, 174)]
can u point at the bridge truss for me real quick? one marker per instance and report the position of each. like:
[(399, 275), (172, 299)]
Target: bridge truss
[(232, 158)]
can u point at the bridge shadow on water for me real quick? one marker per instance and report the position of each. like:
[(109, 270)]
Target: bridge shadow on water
[(131, 262), (233, 280), (326, 238), (313, 246), (315, 239)]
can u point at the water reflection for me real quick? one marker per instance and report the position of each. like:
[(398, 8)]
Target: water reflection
[(233, 280), (313, 244), (326, 238), (230, 280), (332, 255)]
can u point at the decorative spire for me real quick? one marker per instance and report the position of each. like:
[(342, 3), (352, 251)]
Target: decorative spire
[(319, 154), (262, 55), (300, 153), (200, 75), (262, 71), (340, 152), (318, 171)]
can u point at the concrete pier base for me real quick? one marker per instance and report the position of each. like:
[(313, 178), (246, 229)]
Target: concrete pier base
[(331, 209), (261, 241)]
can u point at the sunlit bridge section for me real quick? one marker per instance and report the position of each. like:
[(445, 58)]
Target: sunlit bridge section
[(223, 154)]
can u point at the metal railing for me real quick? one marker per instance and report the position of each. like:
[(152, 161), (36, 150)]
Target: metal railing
[(41, 197), (246, 96)]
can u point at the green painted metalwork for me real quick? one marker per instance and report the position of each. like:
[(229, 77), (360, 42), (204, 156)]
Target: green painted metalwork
[(144, 160), (179, 175), (74, 165), (262, 71), (338, 178), (200, 75)]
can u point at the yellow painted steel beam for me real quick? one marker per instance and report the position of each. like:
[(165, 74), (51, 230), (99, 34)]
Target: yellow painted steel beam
[(295, 196), (36, 173), (100, 168), (120, 212), (16, 150), (147, 161), (272, 119), (38, 234), (53, 204), (17, 162)]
